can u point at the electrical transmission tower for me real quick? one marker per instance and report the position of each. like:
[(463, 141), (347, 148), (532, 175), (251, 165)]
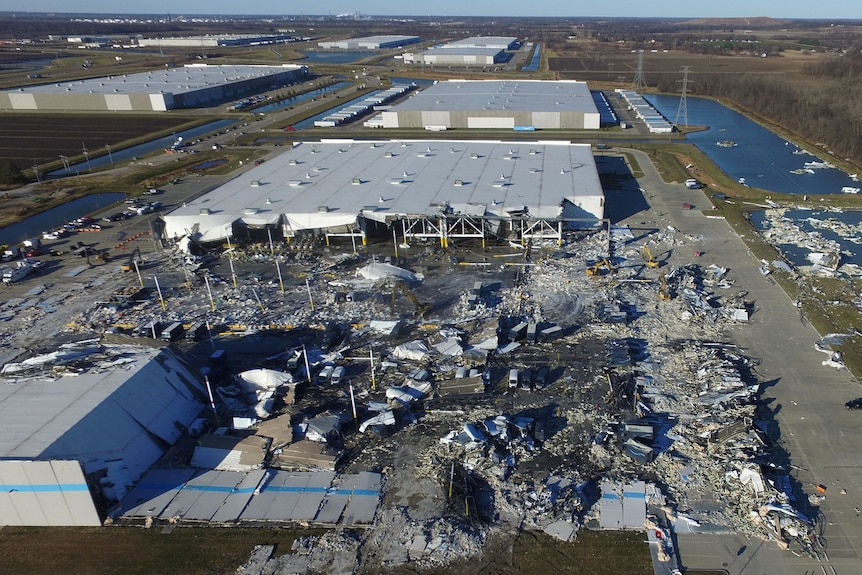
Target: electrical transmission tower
[(640, 81), (682, 110)]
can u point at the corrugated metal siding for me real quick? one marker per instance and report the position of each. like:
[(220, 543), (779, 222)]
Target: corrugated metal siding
[(436, 118), (499, 122), (45, 493), (546, 120)]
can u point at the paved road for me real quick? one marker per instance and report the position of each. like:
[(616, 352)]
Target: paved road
[(805, 398)]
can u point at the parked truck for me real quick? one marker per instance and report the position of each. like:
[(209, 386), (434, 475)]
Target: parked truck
[(17, 273)]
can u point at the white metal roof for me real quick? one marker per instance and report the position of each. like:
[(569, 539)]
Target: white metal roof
[(483, 42), (443, 51), (169, 80), (517, 95), (369, 41), (330, 183)]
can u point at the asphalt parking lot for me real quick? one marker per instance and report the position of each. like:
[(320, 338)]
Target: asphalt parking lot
[(806, 399)]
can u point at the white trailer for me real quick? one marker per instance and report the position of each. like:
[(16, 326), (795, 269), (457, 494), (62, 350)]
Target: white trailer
[(12, 275)]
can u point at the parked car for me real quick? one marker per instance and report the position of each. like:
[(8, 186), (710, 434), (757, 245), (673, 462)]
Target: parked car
[(854, 403)]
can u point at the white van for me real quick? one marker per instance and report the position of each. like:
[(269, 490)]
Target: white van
[(513, 378)]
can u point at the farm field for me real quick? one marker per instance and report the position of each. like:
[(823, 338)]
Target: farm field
[(28, 139)]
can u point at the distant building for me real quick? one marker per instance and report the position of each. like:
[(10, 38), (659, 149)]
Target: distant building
[(499, 42), (473, 51), (505, 104), (215, 40), (157, 90), (370, 43), (442, 56)]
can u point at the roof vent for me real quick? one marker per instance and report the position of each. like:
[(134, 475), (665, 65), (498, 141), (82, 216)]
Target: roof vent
[(533, 152), (474, 156), (322, 209), (294, 183), (293, 163), (356, 181), (250, 211), (268, 201), (255, 183), (459, 183), (387, 155), (205, 211)]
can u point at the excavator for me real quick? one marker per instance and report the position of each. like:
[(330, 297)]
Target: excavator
[(664, 293), (129, 265), (421, 309), (595, 269), (649, 259)]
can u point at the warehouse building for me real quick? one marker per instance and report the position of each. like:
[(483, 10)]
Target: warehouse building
[(430, 190), (157, 90), (498, 42), (442, 56), (215, 41), (504, 104), (370, 43), (72, 445)]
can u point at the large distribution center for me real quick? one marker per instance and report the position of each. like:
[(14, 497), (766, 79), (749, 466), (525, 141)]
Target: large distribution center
[(215, 40), (499, 42), (104, 427), (506, 104), (474, 51), (434, 190), (456, 56), (370, 43), (157, 90)]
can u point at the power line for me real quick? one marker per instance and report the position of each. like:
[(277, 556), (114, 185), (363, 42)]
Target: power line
[(682, 110), (639, 80)]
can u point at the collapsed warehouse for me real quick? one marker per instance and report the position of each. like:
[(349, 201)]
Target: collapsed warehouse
[(520, 384)]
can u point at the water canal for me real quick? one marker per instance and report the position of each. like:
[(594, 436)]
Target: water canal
[(33, 226), (748, 152)]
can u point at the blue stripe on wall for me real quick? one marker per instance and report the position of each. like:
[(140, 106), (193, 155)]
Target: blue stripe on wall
[(44, 488)]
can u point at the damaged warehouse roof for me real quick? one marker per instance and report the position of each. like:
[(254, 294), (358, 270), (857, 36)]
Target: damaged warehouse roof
[(337, 185), (112, 414)]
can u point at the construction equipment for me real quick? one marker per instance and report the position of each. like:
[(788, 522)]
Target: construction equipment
[(663, 290), (649, 259), (135, 257), (421, 309), (595, 269)]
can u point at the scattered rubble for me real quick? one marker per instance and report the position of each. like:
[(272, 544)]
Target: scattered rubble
[(519, 390)]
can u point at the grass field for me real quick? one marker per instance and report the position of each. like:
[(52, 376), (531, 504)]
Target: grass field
[(203, 551), (133, 551)]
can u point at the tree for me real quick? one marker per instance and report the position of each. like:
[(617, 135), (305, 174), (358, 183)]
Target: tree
[(10, 174)]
